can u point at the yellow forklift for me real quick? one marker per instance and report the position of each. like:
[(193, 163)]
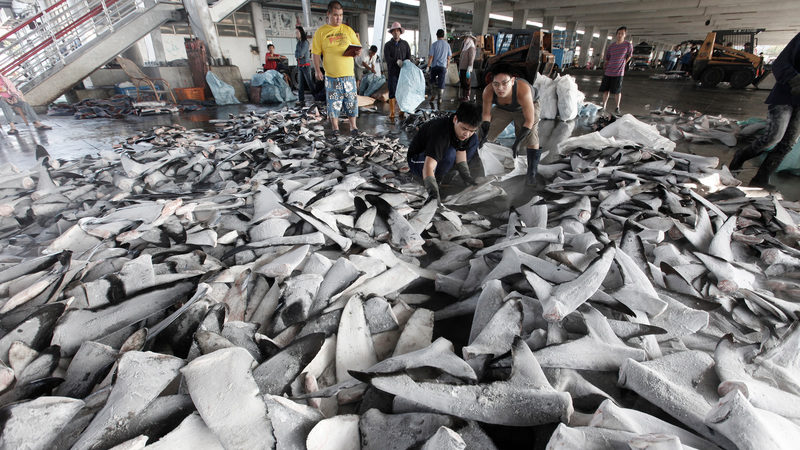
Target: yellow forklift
[(728, 55)]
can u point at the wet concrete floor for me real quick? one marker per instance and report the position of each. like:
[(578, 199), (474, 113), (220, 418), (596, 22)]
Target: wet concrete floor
[(72, 138)]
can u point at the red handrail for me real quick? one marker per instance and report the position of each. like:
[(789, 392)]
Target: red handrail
[(62, 32), (29, 21)]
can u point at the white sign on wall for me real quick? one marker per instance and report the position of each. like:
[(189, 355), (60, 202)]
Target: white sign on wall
[(279, 23)]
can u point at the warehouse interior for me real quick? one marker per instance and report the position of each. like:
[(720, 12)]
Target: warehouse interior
[(201, 262)]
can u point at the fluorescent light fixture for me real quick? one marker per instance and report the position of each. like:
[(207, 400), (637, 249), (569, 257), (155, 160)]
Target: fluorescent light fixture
[(499, 17), (535, 24), (407, 2), (559, 28)]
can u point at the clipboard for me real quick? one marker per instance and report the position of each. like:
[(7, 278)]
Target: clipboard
[(351, 50)]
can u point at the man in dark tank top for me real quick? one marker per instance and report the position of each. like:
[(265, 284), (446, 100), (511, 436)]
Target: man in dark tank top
[(514, 99)]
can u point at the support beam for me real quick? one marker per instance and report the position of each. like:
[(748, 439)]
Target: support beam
[(134, 53), (586, 44), (424, 30), (520, 19), (571, 28), (260, 29), (203, 27), (480, 17), (600, 48), (157, 41), (306, 13), (380, 24), (548, 22), (363, 30)]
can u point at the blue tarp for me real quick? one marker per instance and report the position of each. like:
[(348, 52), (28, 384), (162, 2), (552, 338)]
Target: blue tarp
[(224, 94), (370, 84), (274, 88)]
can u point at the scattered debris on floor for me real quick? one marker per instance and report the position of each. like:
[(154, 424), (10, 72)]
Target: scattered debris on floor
[(116, 107), (264, 286)]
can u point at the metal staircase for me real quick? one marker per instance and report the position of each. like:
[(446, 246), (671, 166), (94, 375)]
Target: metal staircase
[(53, 50)]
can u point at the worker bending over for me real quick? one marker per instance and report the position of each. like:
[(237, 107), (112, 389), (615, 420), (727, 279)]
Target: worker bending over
[(515, 100), (442, 142)]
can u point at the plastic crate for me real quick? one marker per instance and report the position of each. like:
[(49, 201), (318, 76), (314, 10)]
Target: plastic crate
[(130, 91), (192, 93)]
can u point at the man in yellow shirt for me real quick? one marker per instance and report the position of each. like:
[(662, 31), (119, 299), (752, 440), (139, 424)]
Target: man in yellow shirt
[(327, 49)]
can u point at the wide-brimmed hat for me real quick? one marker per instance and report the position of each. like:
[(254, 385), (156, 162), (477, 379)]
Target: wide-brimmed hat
[(396, 26)]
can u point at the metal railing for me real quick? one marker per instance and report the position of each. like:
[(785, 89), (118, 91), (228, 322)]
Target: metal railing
[(47, 41)]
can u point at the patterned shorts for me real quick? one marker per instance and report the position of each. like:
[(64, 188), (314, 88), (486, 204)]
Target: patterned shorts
[(342, 96)]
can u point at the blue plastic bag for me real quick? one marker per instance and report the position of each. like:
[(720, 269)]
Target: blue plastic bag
[(410, 87), (224, 94), (370, 84), (274, 88)]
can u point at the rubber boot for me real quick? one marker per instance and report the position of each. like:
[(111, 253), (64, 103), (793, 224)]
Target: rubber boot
[(739, 158), (432, 98), (391, 108), (533, 166), (767, 168), (439, 100)]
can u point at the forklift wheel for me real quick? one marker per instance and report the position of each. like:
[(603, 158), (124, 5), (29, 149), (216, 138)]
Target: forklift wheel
[(712, 76), (741, 78)]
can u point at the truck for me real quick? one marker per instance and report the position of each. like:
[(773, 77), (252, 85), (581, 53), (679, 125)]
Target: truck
[(642, 56)]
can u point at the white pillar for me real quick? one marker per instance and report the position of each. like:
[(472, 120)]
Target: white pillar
[(548, 22), (480, 17), (306, 13), (260, 30), (424, 29), (586, 44), (158, 45), (520, 19), (600, 48), (203, 27), (363, 30), (380, 24)]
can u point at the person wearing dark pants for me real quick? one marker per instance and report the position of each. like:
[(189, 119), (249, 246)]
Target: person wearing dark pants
[(783, 116), (433, 153), (394, 53), (302, 53), (515, 100), (438, 60), (465, 61), (616, 59)]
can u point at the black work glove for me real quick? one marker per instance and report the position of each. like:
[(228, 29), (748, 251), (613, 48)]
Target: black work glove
[(794, 83), (484, 132), (522, 136), (463, 170), (433, 188)]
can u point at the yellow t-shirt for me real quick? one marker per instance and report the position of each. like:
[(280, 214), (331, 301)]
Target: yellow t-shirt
[(331, 42)]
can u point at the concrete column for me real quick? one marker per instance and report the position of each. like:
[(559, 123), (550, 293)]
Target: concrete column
[(480, 17), (306, 13), (599, 47), (603, 42), (363, 30), (586, 44), (134, 53), (548, 22), (158, 45), (260, 30), (203, 27), (571, 27), (424, 30), (520, 19), (380, 24)]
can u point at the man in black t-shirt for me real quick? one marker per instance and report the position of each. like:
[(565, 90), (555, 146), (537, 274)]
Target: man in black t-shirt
[(443, 142)]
